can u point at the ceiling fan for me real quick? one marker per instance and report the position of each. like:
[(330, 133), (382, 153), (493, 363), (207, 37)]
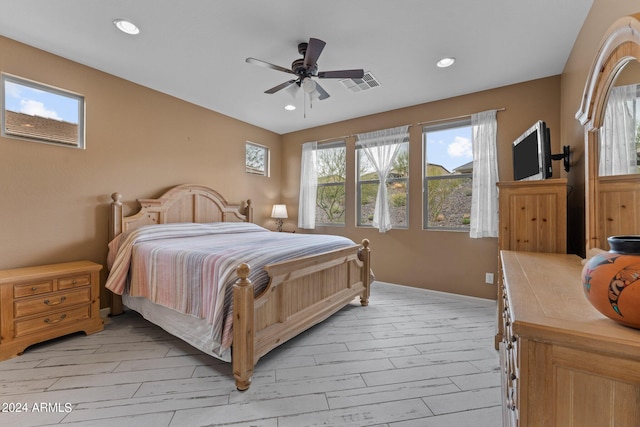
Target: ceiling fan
[(307, 67)]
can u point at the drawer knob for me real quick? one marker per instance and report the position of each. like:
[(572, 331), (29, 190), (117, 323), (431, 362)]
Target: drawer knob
[(62, 299), (33, 289), (74, 282), (51, 322)]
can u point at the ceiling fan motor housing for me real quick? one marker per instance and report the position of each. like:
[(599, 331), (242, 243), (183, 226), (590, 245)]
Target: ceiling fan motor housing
[(298, 67)]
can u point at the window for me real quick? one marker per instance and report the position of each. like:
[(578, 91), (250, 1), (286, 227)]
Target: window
[(256, 159), (448, 168), (331, 167), (36, 112), (397, 188)]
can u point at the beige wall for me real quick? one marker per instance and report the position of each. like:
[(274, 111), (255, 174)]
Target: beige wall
[(441, 260), (451, 261), (139, 142), (602, 15)]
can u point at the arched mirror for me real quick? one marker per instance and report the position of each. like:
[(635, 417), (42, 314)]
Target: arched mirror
[(610, 114), (619, 133)]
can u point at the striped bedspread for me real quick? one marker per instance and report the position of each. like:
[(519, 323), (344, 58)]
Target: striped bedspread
[(191, 267)]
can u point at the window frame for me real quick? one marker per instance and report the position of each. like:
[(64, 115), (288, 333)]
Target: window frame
[(51, 90), (374, 181), (449, 124), (266, 170), (326, 146)]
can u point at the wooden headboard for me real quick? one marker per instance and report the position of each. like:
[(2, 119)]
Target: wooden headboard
[(182, 203)]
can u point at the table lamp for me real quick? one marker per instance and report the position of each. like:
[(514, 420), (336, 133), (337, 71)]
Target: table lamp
[(279, 212)]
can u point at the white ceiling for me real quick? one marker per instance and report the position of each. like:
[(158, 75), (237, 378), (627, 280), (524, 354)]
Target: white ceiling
[(196, 49)]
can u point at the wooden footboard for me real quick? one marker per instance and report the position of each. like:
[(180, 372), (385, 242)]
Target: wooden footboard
[(301, 293)]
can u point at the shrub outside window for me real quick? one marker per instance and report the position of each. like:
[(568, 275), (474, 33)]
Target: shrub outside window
[(448, 168), (397, 189), (331, 167)]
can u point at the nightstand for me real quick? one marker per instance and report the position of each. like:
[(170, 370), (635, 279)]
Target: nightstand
[(47, 301)]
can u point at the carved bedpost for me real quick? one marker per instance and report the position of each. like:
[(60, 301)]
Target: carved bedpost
[(248, 211), (364, 254), (243, 328), (115, 223), (115, 228)]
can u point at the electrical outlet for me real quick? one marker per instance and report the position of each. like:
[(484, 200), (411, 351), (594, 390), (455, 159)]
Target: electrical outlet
[(488, 278)]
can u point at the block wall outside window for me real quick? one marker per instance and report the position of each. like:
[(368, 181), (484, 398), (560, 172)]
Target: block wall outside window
[(397, 189)]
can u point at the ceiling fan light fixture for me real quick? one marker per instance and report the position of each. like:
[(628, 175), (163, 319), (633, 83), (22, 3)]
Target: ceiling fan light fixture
[(126, 27), (289, 107), (446, 62), (308, 85), (293, 90)]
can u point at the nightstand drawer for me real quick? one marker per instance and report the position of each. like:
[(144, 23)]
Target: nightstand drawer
[(59, 318), (30, 289), (28, 307), (74, 282)]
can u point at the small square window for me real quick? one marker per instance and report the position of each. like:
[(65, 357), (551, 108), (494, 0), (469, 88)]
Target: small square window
[(256, 159), (37, 112)]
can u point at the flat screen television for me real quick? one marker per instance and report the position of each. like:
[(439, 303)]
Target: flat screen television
[(532, 154)]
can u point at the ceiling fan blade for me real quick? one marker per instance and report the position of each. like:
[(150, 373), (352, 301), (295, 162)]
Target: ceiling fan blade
[(323, 93), (268, 65), (314, 49), (341, 74), (280, 87)]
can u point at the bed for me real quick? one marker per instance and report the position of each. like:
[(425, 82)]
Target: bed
[(293, 290)]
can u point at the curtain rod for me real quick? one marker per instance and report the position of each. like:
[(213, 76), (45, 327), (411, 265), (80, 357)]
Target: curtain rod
[(452, 118), (350, 136), (336, 138)]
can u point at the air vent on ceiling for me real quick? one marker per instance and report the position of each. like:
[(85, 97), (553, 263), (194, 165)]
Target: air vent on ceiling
[(358, 85)]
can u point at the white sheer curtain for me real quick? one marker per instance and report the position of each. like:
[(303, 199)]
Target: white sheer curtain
[(381, 148), (308, 186), (484, 193), (617, 134)]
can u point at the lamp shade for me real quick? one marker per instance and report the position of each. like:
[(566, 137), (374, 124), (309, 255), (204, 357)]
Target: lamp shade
[(308, 85), (279, 211)]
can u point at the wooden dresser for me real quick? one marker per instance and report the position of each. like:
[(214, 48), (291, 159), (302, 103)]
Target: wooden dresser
[(564, 364), (48, 301), (532, 217)]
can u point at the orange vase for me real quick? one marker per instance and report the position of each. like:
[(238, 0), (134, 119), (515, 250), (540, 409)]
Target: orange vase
[(611, 280)]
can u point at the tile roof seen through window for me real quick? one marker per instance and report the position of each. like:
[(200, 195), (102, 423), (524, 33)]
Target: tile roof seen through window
[(40, 128)]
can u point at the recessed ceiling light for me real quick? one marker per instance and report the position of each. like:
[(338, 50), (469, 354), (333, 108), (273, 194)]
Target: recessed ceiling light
[(446, 62), (127, 27), (289, 107)]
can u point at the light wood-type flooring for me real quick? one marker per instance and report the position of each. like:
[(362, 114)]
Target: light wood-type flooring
[(412, 358)]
